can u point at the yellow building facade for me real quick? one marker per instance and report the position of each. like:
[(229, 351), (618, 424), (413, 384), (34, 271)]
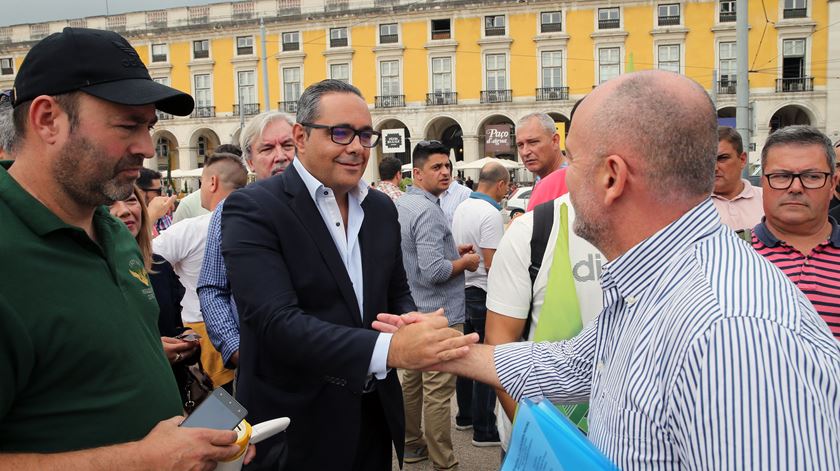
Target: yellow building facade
[(454, 70)]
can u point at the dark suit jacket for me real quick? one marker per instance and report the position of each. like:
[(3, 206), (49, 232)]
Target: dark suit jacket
[(305, 349)]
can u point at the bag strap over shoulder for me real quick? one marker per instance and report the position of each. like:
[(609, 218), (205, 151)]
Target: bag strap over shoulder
[(543, 221)]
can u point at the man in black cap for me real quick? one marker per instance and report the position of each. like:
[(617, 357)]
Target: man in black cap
[(85, 384)]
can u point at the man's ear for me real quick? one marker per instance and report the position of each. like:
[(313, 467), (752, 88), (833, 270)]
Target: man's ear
[(614, 178), (47, 120), (299, 136)]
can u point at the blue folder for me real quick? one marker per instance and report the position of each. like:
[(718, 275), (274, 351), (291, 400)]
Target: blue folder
[(543, 439)]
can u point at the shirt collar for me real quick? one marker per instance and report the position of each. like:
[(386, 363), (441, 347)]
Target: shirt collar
[(634, 271), (747, 192), (312, 184), (767, 238), (477, 195), (416, 190)]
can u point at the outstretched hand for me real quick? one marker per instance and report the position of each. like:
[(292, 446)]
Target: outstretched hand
[(423, 340)]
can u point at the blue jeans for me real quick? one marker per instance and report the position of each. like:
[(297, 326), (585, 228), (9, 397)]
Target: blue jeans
[(476, 401)]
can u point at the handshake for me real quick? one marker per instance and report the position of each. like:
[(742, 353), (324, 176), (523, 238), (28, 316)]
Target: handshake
[(423, 341)]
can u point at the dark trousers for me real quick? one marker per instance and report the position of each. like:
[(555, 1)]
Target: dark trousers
[(476, 401), (374, 449)]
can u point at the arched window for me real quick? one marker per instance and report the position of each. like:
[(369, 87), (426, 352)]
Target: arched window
[(202, 150), (162, 151)]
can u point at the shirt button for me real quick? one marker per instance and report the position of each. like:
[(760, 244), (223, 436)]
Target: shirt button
[(338, 224), (600, 365), (630, 300), (326, 193)]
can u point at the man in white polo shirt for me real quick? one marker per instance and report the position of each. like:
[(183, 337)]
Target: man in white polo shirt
[(182, 245), (478, 222)]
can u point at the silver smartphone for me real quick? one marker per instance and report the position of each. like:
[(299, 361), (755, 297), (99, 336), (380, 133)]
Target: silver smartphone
[(219, 411)]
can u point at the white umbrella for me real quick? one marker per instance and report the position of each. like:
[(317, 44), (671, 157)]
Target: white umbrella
[(480, 163), (195, 173)]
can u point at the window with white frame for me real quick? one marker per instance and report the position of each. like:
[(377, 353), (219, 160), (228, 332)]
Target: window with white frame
[(609, 18), (441, 29), (389, 78), (609, 63), (291, 41), (551, 21), (247, 92), (340, 71), (7, 66), (727, 11), (726, 62), (388, 33), (668, 14), (291, 83), (160, 53), (552, 69), (442, 74), (793, 58), (494, 25), (495, 71), (201, 49), (338, 37), (668, 57), (203, 91), (244, 45), (795, 9)]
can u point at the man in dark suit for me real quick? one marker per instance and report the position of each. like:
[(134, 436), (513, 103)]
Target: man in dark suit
[(313, 257)]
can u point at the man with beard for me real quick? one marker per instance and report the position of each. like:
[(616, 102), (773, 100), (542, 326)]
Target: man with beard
[(737, 201), (268, 150), (705, 355), (85, 382), (797, 234)]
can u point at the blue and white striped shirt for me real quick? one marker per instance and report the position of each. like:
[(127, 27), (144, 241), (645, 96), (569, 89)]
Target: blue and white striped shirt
[(705, 357)]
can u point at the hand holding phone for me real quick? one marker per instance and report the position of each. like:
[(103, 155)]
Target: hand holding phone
[(219, 411), (189, 337)]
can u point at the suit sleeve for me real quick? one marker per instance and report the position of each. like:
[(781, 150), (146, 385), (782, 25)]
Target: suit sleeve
[(261, 284)]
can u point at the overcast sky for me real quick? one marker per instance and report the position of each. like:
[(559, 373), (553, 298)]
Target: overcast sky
[(33, 11)]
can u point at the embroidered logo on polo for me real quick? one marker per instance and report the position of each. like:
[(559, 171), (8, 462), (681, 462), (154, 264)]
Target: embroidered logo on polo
[(138, 271)]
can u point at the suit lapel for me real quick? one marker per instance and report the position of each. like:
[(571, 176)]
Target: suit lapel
[(367, 242), (307, 212)]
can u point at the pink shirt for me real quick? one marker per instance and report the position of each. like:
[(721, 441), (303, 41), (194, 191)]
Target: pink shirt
[(742, 212), (548, 188)]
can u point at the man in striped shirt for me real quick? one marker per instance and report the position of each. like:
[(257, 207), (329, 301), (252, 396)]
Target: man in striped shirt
[(705, 356), (797, 234)]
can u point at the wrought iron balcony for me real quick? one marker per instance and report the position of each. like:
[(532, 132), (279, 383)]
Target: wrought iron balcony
[(390, 101), (338, 42), (295, 46), (441, 98), (727, 16), (794, 13), (796, 84), (727, 87), (248, 109), (204, 112), (609, 24), (669, 20), (287, 106), (552, 93), (494, 31), (496, 96)]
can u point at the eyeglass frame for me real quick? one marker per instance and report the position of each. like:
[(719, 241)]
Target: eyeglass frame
[(356, 133), (159, 190), (794, 176)]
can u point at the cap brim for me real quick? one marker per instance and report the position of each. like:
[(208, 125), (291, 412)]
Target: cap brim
[(136, 92)]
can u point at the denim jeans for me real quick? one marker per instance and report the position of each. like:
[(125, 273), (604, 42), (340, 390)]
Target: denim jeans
[(476, 401)]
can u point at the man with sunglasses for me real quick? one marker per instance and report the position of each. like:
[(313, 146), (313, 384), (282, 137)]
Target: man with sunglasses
[(797, 234), (159, 205), (313, 256)]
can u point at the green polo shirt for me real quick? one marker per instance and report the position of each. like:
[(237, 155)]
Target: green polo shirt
[(81, 363)]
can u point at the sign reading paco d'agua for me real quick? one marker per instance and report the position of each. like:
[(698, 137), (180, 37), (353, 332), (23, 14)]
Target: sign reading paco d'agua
[(393, 140), (497, 138)]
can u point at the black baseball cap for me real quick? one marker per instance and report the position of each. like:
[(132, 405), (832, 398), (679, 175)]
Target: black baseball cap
[(99, 63)]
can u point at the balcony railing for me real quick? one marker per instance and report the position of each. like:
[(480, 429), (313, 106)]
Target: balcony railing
[(204, 112), (248, 109), (441, 98), (163, 116), (388, 39), (726, 87), (551, 27), (669, 20), (287, 106), (796, 84), (496, 96), (338, 42), (336, 5), (609, 24), (727, 16), (552, 93), (494, 31), (295, 46), (795, 13), (390, 101)]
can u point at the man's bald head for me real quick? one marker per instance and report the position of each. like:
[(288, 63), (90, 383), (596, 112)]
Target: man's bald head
[(492, 173), (664, 121)]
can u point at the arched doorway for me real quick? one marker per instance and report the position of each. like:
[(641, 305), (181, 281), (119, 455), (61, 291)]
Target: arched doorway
[(787, 116), (166, 151), (562, 122), (393, 124), (726, 116), (203, 141), (449, 132), (495, 138)]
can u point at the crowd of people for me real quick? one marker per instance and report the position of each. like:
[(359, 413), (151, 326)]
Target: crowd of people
[(681, 317)]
